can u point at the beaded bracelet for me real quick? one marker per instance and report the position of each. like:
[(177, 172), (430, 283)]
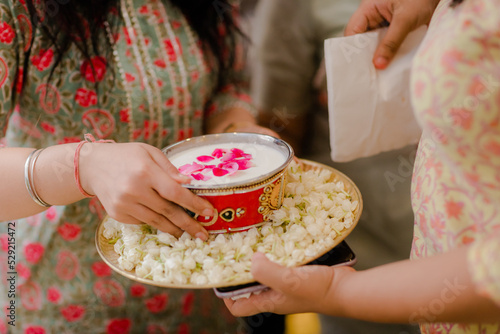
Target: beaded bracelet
[(29, 179), (88, 139)]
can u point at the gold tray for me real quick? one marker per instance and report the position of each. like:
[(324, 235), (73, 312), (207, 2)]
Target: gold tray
[(108, 254)]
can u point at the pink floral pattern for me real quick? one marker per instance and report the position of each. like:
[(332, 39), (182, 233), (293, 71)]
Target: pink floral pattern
[(119, 326), (53, 295), (6, 33), (73, 313), (157, 303), (456, 182), (43, 59), (94, 70), (65, 286), (69, 231), (33, 252)]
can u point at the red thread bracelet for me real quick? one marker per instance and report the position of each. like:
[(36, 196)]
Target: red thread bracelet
[(88, 139)]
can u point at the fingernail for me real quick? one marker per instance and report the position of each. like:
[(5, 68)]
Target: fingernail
[(208, 212), (381, 62), (202, 236), (184, 178)]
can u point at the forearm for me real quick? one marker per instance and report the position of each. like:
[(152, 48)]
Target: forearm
[(221, 121), (435, 289), (53, 178)]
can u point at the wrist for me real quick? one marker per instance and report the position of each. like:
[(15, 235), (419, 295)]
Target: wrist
[(339, 297), (84, 168)]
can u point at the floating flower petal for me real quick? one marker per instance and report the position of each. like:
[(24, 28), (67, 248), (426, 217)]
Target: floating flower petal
[(205, 158), (243, 163), (228, 157), (240, 153), (190, 168), (201, 177), (219, 172), (219, 153)]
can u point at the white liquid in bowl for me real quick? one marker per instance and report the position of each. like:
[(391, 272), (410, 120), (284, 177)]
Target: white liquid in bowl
[(264, 160)]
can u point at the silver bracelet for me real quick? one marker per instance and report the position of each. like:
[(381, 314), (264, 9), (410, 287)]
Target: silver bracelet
[(29, 167)]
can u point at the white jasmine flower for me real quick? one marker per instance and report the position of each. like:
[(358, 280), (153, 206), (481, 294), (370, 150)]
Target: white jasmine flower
[(189, 263), (166, 238), (111, 229), (141, 271), (208, 263), (125, 264), (131, 239), (199, 279), (118, 246)]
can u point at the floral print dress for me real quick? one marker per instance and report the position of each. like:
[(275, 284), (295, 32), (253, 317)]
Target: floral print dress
[(157, 87), (456, 182)]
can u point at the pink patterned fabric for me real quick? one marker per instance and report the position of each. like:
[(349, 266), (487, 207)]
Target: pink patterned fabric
[(167, 90), (456, 182)]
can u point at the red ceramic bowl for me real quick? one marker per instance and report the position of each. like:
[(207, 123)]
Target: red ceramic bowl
[(245, 198)]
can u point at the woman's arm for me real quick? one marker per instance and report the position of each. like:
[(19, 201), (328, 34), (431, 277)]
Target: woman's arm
[(435, 289), (135, 183), (53, 178)]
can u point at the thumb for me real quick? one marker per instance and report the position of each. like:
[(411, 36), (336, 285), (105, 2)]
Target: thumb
[(162, 161), (398, 29), (290, 281)]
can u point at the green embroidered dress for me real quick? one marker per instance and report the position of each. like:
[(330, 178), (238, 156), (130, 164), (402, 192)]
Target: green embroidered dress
[(157, 88)]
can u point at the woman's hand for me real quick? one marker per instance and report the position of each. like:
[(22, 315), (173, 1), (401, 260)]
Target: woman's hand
[(136, 184), (293, 290), (403, 16), (250, 127)]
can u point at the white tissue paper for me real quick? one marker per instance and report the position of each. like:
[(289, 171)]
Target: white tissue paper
[(369, 109)]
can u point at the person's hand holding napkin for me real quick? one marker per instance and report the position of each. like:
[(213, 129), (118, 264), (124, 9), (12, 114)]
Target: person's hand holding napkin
[(369, 109)]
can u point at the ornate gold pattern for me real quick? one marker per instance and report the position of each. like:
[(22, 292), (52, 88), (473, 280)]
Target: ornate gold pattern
[(204, 223), (272, 197)]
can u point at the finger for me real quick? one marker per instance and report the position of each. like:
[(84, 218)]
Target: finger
[(167, 227), (261, 303), (273, 275), (172, 191), (171, 218), (303, 283), (175, 215), (127, 219), (158, 221), (396, 33), (358, 23), (165, 164), (375, 21)]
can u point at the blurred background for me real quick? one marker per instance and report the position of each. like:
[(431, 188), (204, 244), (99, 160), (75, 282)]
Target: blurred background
[(285, 68)]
